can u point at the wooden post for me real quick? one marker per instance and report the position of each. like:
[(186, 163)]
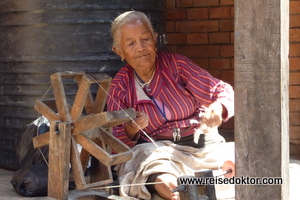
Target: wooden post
[(59, 159), (261, 100)]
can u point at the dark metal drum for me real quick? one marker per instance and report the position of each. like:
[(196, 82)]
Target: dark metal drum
[(41, 37)]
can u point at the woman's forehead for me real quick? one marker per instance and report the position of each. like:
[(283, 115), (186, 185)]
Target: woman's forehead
[(135, 28)]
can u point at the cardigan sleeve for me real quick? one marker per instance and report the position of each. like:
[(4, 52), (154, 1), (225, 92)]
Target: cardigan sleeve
[(204, 87)]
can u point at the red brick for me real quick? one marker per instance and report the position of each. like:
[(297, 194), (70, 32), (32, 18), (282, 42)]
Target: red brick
[(215, 73), (294, 105), (170, 27), (219, 38), (294, 132), (294, 63), (226, 2), (219, 63), (227, 76), (294, 21), (295, 78), (295, 120), (232, 12), (232, 38), (172, 48), (295, 35), (294, 7), (176, 14), (197, 13), (201, 62), (220, 12), (170, 4), (176, 38), (294, 92), (227, 25), (199, 51), (197, 26), (227, 50), (198, 3), (197, 38), (232, 62), (294, 49)]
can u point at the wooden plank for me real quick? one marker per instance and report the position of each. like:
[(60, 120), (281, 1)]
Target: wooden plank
[(101, 97), (89, 103), (60, 97), (105, 119), (44, 110), (99, 171), (41, 140), (71, 74), (261, 100), (93, 149), (113, 142), (100, 154), (77, 170), (84, 158), (97, 184), (80, 99), (117, 117), (59, 159)]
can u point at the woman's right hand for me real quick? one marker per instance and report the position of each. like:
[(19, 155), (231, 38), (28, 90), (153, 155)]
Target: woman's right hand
[(140, 122)]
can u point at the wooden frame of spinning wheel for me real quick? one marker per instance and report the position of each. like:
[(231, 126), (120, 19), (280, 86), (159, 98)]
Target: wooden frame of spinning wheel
[(69, 126)]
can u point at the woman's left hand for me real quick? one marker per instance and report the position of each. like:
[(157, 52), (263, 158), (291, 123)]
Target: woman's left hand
[(212, 116)]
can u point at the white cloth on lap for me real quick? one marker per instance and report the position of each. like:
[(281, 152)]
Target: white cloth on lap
[(171, 158)]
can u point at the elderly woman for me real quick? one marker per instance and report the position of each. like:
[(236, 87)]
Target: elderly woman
[(178, 105)]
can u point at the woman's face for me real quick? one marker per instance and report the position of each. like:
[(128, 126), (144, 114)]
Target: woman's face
[(137, 46)]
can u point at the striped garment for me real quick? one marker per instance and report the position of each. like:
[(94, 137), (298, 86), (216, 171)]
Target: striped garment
[(180, 89)]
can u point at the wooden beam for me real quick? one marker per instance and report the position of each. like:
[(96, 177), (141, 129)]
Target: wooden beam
[(60, 97), (59, 159), (80, 99), (41, 140), (262, 99), (100, 154), (101, 97), (45, 110), (113, 142), (104, 119), (77, 169), (94, 149)]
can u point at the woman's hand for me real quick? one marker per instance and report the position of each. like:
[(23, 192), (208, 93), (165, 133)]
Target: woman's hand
[(140, 122), (212, 117)]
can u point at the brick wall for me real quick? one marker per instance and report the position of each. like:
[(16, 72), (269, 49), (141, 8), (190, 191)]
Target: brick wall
[(203, 31), (295, 71)]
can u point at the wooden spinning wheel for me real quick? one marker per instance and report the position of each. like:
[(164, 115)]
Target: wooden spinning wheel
[(84, 123)]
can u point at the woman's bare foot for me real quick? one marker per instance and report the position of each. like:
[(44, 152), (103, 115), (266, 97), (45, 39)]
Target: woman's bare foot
[(230, 167)]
